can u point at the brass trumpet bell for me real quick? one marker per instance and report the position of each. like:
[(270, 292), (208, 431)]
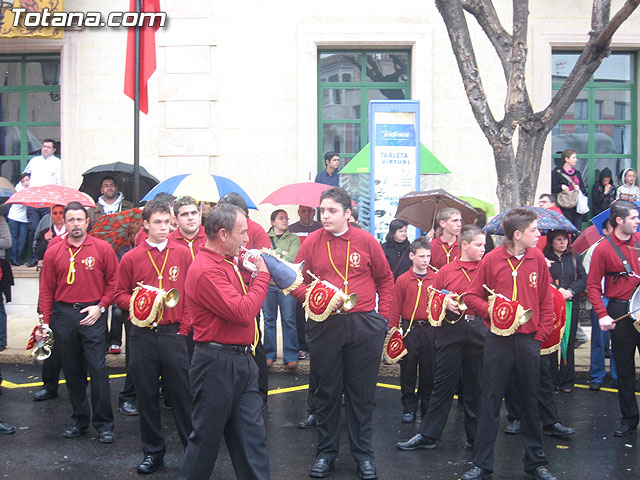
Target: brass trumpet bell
[(348, 301), (41, 352), (526, 316), (172, 298), (460, 302)]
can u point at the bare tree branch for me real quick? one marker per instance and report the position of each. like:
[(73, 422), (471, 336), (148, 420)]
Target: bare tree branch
[(607, 33), (458, 30), (486, 16)]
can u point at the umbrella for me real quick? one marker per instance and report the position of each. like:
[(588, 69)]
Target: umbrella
[(49, 196), (420, 208), (201, 186), (588, 237), (123, 174), (119, 229), (599, 219), (305, 193), (6, 188), (483, 205), (547, 220)]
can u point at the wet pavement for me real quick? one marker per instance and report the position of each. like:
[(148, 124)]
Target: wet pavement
[(38, 450)]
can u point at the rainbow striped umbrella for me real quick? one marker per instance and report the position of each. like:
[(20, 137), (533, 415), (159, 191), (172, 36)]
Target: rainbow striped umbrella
[(201, 186)]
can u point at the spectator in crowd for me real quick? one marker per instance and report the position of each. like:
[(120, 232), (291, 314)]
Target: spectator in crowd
[(396, 248), (285, 244), (110, 201), (603, 192), (19, 224), (45, 169), (45, 235), (330, 175), (5, 243), (628, 190), (568, 178), (306, 224), (570, 278)]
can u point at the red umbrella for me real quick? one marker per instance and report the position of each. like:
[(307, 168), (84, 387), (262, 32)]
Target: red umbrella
[(49, 196), (588, 237), (119, 229), (306, 193)]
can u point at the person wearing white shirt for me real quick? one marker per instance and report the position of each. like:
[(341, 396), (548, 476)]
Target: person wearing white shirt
[(45, 169), (18, 225)]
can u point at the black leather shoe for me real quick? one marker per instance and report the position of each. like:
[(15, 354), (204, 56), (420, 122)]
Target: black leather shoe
[(74, 431), (6, 429), (513, 428), (32, 263), (321, 468), (476, 473), (415, 442), (558, 430), (625, 430), (128, 408), (150, 464), (540, 473), (409, 417), (595, 386), (367, 470), (107, 436), (44, 394), (308, 422)]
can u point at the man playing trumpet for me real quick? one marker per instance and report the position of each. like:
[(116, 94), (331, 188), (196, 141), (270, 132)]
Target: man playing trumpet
[(518, 271), (346, 348), (158, 346)]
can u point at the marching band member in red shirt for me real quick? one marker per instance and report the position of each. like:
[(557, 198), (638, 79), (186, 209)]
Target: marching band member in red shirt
[(518, 271), (459, 347), (159, 349), (409, 313), (445, 248), (227, 401), (190, 232), (346, 348), (620, 283), (76, 287)]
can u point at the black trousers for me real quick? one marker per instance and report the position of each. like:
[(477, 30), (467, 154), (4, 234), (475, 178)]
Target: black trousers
[(515, 357), (625, 339), (418, 364), (346, 351), (160, 352), (128, 392), (459, 350), (260, 358), (114, 337), (226, 403), (82, 349), (546, 394), (51, 370)]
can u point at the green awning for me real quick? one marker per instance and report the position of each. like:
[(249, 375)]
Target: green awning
[(429, 164)]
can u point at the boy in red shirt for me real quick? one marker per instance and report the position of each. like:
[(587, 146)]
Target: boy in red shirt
[(518, 271), (409, 313), (460, 342), (445, 248)]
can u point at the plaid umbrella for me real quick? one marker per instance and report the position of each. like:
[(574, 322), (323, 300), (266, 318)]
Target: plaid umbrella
[(119, 229), (50, 196), (547, 220)]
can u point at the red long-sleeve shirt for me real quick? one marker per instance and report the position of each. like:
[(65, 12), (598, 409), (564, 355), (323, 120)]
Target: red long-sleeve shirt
[(439, 250), (193, 244), (368, 271), (405, 293), (452, 277), (221, 311), (96, 268), (136, 266), (605, 259), (533, 283)]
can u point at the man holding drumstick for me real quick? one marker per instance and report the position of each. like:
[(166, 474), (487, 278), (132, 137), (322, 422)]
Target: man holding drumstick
[(617, 260)]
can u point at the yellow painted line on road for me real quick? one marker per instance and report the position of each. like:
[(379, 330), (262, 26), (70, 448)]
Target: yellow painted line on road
[(11, 385)]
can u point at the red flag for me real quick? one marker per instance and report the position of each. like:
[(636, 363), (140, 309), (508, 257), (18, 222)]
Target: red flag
[(147, 54)]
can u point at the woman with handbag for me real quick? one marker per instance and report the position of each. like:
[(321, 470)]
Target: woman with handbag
[(567, 184), (570, 278)]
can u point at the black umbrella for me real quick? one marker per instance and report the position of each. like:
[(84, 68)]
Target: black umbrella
[(123, 173)]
